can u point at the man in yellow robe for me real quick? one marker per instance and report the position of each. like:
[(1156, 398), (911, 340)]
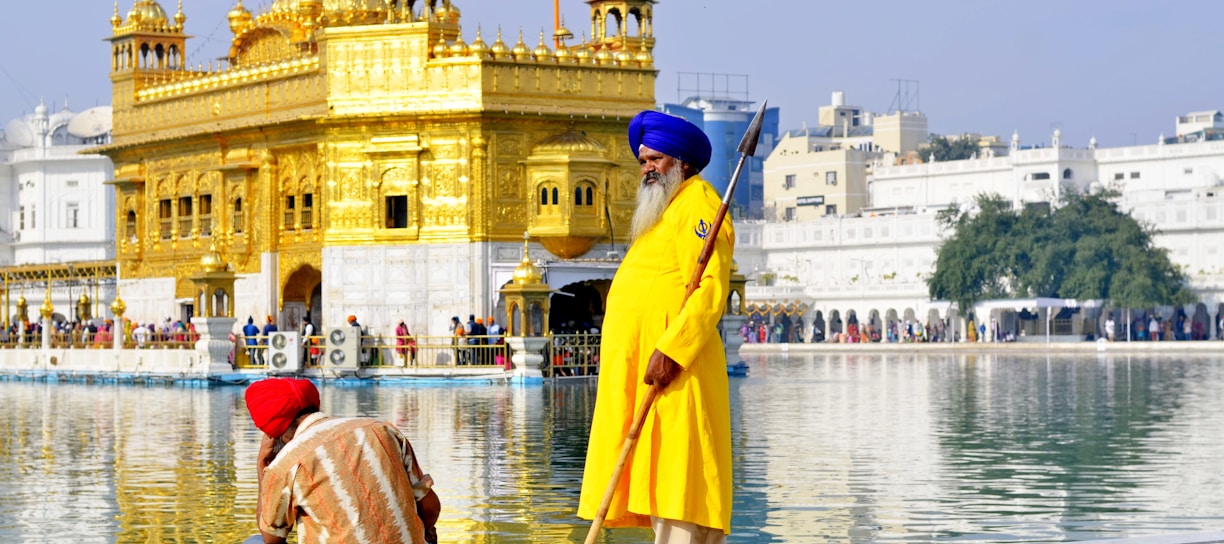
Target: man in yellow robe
[(678, 479)]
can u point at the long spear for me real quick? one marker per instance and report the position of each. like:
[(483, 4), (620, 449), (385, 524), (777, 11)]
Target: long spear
[(747, 148)]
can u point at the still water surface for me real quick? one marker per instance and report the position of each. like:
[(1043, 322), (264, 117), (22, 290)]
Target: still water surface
[(839, 448)]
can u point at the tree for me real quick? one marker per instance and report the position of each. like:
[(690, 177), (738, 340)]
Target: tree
[(1085, 248), (951, 150)]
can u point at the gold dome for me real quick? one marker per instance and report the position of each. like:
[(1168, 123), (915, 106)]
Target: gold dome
[(440, 49), (623, 57), (447, 13), (354, 12), (212, 261), (179, 16), (499, 49), (603, 56), (569, 142), (564, 55), (239, 18), (644, 57), (520, 50), (542, 53), (83, 299), (148, 13), (115, 19), (527, 273), (583, 55), (283, 5), (459, 48), (478, 48), (118, 307)]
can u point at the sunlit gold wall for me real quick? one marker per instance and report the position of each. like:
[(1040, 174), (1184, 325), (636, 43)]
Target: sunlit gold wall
[(315, 129)]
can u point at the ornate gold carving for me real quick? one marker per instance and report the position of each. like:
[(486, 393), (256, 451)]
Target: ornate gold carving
[(508, 181), (511, 214), (445, 211), (509, 144)]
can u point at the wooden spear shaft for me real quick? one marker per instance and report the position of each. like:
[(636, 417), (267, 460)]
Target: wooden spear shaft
[(747, 148)]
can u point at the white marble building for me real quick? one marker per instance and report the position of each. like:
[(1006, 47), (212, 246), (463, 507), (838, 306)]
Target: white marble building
[(54, 205), (873, 263)]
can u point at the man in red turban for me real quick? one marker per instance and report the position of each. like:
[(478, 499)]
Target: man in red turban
[(349, 479)]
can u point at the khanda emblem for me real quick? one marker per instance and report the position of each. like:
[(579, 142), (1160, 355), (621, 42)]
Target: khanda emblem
[(702, 229)]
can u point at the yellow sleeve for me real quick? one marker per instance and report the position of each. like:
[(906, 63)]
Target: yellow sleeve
[(697, 322)]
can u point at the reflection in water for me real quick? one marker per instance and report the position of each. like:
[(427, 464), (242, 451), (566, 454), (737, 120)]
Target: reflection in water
[(847, 448)]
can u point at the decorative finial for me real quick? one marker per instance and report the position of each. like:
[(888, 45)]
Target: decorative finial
[(115, 19)]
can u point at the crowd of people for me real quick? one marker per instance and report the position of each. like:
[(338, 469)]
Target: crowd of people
[(1157, 328), (100, 333), (471, 336), (786, 331)]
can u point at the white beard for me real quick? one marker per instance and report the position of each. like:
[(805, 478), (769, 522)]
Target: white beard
[(653, 199)]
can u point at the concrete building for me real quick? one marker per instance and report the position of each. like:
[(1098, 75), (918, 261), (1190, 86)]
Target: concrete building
[(56, 212), (724, 115), (824, 170), (873, 263)]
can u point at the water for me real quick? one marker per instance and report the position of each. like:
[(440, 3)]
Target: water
[(841, 448)]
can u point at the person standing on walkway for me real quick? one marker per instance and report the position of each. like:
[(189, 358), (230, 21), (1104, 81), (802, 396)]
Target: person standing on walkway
[(250, 334), (679, 478)]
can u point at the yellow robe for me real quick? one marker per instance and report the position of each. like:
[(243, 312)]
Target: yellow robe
[(681, 466)]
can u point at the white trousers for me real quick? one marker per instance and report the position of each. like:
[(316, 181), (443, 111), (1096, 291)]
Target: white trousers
[(670, 531)]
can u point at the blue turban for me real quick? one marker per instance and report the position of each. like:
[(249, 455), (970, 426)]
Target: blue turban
[(670, 135)]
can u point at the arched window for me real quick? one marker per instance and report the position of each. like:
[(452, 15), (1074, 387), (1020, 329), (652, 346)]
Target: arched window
[(130, 226), (578, 196), (537, 321), (1067, 174), (590, 193), (554, 196), (516, 321), (544, 196), (236, 220)]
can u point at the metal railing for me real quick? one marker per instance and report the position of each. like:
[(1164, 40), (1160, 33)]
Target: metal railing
[(396, 351), (100, 340), (572, 355)]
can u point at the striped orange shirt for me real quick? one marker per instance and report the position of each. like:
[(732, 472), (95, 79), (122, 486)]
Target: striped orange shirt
[(344, 480)]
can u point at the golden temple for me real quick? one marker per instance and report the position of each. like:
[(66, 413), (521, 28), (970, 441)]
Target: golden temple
[(364, 157)]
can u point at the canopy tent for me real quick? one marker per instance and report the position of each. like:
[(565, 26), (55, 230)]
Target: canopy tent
[(1039, 303)]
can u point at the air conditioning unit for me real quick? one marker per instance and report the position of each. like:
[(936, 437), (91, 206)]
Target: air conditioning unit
[(343, 352), (284, 352)]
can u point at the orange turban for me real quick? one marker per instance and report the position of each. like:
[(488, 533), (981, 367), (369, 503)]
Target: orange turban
[(275, 402)]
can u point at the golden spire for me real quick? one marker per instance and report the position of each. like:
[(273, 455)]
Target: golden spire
[(239, 18), (583, 54), (180, 17), (212, 261), (115, 19), (478, 47), (527, 273), (644, 57), (520, 50), (459, 48), (499, 49), (542, 53)]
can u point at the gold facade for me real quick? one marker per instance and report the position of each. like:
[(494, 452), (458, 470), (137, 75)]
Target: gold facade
[(367, 122)]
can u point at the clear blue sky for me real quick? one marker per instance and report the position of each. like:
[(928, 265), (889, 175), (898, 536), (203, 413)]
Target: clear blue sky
[(1120, 70)]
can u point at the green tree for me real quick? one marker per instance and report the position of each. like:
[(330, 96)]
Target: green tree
[(1085, 248), (950, 150)]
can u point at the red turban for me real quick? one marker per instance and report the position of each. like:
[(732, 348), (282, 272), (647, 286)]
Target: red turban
[(275, 402)]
